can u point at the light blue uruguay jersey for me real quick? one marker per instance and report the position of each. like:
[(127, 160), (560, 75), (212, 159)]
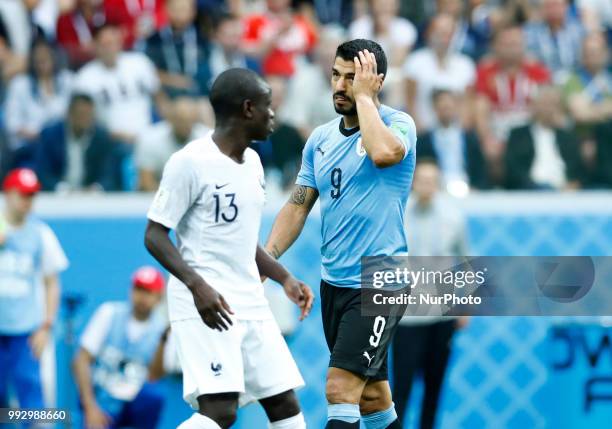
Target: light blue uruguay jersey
[(362, 206)]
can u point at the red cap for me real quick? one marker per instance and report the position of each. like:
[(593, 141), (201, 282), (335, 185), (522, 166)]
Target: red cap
[(23, 180), (148, 278)]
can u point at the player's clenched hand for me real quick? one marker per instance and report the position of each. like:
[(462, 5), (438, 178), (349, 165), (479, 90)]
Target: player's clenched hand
[(367, 81), (212, 307), (299, 293)]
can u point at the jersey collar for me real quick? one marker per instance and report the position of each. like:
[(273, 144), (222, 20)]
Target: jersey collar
[(344, 131)]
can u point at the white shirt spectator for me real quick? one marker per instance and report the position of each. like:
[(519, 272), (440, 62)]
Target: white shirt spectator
[(18, 26), (401, 33), (436, 230), (157, 143), (15, 20), (309, 100), (423, 67), (548, 167), (27, 108), (123, 94), (46, 15), (599, 9)]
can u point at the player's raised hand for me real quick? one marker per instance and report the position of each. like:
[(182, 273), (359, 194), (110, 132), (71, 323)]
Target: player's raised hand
[(300, 294), (367, 81), (212, 307)]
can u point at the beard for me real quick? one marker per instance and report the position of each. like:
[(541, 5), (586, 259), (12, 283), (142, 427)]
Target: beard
[(347, 110)]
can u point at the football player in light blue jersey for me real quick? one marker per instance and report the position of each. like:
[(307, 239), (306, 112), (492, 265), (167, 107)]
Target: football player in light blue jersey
[(360, 166)]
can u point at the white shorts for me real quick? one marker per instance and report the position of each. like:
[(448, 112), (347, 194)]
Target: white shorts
[(251, 358)]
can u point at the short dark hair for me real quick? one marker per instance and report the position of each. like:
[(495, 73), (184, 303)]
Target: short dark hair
[(231, 89), (52, 48), (80, 97), (349, 50), (221, 18), (439, 92)]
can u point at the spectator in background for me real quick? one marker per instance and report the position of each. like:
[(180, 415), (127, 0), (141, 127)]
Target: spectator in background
[(31, 259), (158, 142), (422, 345), (332, 12), (455, 150), (307, 103), (6, 55), (518, 12), (542, 155), (178, 52), (505, 84), (588, 90), (555, 39), (472, 30), (596, 16), (75, 153), (436, 67), (23, 29), (226, 50), (588, 95), (75, 31), (117, 346), (396, 35), (122, 84), (277, 36), (603, 166), (137, 18), (286, 141), (34, 99)]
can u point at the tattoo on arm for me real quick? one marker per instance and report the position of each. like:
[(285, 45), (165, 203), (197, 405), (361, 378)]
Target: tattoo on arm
[(298, 197)]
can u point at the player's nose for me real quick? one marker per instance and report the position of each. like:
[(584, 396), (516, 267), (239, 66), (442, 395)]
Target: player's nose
[(340, 84)]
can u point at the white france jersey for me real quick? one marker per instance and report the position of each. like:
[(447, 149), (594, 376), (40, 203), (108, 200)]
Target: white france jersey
[(214, 204)]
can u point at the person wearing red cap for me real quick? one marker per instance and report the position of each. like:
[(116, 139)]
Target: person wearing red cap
[(30, 260), (117, 346)]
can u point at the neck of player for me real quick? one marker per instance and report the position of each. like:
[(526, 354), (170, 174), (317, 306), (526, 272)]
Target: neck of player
[(232, 141), (352, 121)]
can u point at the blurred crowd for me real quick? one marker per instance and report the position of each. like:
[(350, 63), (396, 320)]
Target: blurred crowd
[(506, 94)]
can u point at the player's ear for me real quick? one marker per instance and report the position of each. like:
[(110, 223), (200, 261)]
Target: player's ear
[(247, 109), (381, 79)]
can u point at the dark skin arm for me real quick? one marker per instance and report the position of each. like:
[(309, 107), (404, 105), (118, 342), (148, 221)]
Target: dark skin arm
[(211, 305), (297, 291)]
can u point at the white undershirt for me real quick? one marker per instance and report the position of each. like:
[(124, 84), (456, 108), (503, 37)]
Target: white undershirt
[(548, 167)]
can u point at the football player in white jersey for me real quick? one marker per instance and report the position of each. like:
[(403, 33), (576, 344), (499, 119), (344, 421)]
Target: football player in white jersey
[(211, 194)]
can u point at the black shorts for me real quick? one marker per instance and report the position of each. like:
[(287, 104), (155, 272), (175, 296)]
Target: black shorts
[(357, 343)]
